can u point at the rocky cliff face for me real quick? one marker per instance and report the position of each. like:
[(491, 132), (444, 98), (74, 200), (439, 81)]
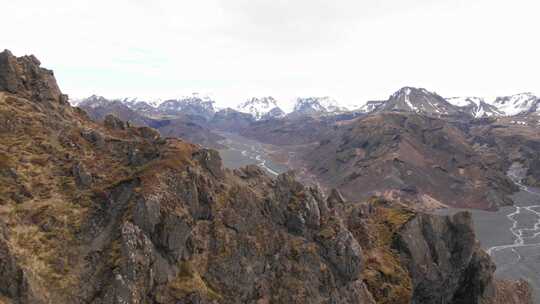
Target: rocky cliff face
[(113, 213)]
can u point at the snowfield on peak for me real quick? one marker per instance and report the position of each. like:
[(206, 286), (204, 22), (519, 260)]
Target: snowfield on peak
[(417, 100), (317, 105), (499, 106), (179, 104), (516, 104), (132, 101), (423, 101), (261, 108), (464, 101)]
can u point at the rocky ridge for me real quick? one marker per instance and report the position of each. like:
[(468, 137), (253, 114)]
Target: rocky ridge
[(194, 105), (422, 101)]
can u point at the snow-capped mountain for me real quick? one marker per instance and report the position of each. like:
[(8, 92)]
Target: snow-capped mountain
[(192, 105), (518, 104), (420, 100), (97, 107), (417, 100), (475, 106), (147, 107), (134, 101), (316, 106), (93, 101), (522, 103), (261, 108)]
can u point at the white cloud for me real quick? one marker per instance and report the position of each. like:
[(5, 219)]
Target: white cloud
[(233, 49)]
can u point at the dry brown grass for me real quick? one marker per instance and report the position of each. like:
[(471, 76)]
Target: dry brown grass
[(387, 280), (41, 145), (4, 300), (189, 281), (41, 149), (43, 239)]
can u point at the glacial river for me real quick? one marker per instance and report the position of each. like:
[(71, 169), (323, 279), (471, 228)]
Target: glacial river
[(510, 235), (243, 151)]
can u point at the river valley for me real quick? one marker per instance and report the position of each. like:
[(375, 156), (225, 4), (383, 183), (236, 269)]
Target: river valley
[(242, 151)]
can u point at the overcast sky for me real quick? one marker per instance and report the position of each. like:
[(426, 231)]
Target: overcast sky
[(234, 49)]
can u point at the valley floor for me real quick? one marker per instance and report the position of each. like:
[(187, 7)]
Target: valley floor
[(242, 151)]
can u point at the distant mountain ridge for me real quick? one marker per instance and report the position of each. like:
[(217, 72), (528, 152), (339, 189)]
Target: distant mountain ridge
[(316, 106), (518, 104), (409, 99), (419, 100), (194, 105), (406, 99)]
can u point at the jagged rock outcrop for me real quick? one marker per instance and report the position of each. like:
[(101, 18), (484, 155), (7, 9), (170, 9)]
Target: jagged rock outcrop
[(24, 76), (114, 123), (444, 261), (161, 221)]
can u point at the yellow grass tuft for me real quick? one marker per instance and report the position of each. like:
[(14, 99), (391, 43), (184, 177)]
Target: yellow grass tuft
[(189, 281)]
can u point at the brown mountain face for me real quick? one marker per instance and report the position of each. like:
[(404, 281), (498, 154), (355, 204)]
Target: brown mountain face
[(293, 131), (428, 161), (231, 120), (186, 128), (113, 213)]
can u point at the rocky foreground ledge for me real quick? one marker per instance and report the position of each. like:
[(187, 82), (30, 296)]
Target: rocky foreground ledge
[(111, 213)]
